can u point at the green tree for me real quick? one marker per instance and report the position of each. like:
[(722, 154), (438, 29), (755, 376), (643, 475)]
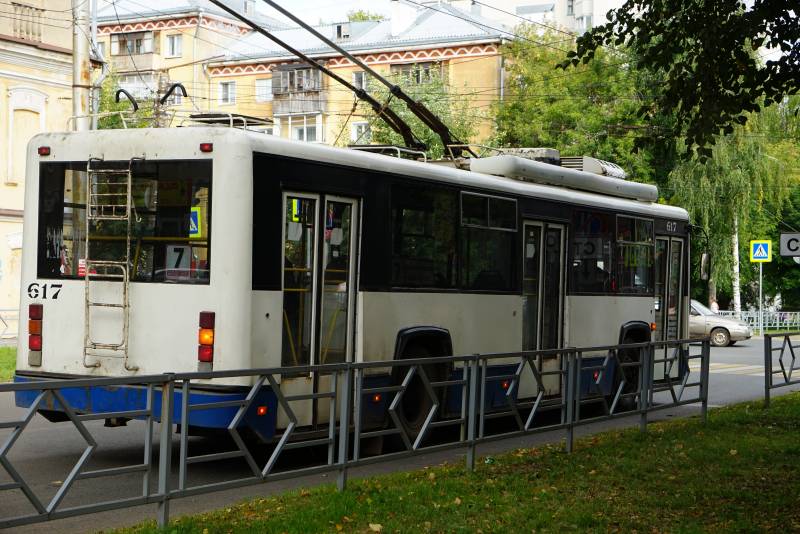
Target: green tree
[(108, 91), (705, 49), (429, 87), (733, 194), (361, 15), (591, 110)]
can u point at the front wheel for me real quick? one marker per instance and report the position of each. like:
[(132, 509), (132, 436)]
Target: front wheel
[(720, 337)]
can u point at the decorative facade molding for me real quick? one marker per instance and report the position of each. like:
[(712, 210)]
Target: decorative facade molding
[(206, 21), (378, 58)]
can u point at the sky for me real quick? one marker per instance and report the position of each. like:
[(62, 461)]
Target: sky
[(314, 11)]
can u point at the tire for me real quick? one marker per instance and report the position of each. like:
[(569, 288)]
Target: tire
[(731, 343), (631, 380), (720, 337)]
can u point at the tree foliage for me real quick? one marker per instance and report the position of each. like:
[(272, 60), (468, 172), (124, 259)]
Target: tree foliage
[(739, 179), (706, 51), (108, 91), (591, 110), (361, 15), (429, 87)]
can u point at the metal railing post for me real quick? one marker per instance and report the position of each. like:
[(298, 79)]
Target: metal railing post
[(344, 427), (646, 358), (165, 452), (767, 368), (472, 404), (570, 398), (705, 366)]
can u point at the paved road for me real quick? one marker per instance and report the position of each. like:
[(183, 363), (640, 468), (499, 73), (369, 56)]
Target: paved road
[(46, 452)]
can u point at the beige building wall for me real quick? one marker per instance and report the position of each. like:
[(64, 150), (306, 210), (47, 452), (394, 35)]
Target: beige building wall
[(35, 96), (472, 71)]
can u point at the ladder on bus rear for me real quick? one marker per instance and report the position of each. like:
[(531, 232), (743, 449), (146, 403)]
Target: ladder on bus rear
[(108, 202)]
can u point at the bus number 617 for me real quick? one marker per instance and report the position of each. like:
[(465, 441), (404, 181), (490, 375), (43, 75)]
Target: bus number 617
[(36, 290)]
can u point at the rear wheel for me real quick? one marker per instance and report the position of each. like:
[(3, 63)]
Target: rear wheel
[(720, 337)]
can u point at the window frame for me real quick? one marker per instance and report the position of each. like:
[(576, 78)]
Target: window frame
[(263, 94), (488, 225), (231, 92), (174, 51)]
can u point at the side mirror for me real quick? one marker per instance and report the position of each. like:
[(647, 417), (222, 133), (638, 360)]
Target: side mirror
[(705, 266)]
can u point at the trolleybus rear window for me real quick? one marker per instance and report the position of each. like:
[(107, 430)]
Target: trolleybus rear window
[(169, 224)]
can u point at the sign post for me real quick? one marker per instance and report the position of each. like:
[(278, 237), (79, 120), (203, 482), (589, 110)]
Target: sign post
[(761, 253)]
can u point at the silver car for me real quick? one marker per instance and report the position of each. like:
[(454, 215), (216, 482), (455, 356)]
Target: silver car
[(724, 331)]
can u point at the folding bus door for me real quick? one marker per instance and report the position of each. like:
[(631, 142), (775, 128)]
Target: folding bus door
[(320, 241), (542, 298), (669, 301)]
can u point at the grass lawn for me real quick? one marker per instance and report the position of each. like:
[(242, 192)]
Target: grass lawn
[(8, 362), (741, 472)]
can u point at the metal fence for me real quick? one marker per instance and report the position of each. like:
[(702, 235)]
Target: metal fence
[(484, 395), (9, 323), (773, 320), (783, 365)]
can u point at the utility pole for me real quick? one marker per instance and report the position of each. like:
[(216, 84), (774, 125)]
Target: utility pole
[(81, 65)]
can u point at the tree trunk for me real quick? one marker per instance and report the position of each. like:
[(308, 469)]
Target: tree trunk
[(737, 294), (712, 291)]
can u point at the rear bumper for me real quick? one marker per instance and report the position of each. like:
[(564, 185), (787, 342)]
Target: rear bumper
[(103, 399)]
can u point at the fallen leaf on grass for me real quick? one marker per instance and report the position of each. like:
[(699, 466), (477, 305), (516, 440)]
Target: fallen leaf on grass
[(457, 501), (376, 527), (734, 452)]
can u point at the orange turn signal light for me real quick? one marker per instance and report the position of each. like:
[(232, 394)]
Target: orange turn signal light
[(653, 327), (34, 327), (206, 336)]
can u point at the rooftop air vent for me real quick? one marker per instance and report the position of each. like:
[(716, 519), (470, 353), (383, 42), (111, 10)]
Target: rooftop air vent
[(594, 165), (342, 31)]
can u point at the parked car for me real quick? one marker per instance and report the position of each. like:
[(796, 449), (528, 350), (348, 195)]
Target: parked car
[(724, 331)]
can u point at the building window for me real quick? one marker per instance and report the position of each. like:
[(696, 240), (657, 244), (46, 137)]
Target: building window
[(137, 84), (264, 90), (296, 81), (424, 224), (342, 31), (174, 44), (360, 133), (249, 7), (360, 79), (570, 7), (101, 49), (227, 92), (27, 22), (131, 43), (305, 133), (417, 73)]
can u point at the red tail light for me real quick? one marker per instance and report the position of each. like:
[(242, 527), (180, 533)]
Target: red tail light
[(205, 337), (35, 313), (206, 147), (44, 150)]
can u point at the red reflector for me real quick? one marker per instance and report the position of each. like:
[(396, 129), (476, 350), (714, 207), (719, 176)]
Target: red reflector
[(35, 342), (207, 319), (505, 384), (261, 410), (206, 147), (595, 375), (376, 398), (44, 150), (35, 312), (205, 353)]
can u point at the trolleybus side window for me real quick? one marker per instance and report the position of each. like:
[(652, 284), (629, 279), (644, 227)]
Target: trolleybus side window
[(635, 249), (489, 245), (169, 230), (592, 241), (424, 224)]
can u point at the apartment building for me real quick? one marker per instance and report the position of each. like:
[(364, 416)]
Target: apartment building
[(35, 96), (261, 79), (576, 16), (148, 44)]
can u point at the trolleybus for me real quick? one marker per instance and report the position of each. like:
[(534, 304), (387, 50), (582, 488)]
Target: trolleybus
[(207, 248)]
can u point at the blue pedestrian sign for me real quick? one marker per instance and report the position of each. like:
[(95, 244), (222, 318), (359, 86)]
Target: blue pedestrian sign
[(195, 230), (761, 251)]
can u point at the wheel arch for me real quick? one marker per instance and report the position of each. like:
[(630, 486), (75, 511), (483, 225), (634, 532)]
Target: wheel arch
[(435, 339)]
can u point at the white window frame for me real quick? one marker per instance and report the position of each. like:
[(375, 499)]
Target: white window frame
[(263, 94), (362, 84), (231, 92), (356, 137), (174, 45)]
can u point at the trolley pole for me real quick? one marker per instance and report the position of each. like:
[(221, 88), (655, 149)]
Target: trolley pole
[(81, 65)]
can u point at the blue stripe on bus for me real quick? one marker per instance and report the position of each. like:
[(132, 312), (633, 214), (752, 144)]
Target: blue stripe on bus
[(98, 399)]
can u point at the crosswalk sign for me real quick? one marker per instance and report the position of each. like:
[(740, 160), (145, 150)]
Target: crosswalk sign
[(195, 230), (761, 251)]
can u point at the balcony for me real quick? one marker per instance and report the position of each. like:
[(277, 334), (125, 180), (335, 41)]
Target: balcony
[(124, 62), (307, 102)]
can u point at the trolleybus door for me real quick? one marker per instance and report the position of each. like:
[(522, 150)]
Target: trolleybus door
[(319, 253), (669, 301), (543, 296)]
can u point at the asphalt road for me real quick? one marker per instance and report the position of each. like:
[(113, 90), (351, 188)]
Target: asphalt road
[(46, 452)]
